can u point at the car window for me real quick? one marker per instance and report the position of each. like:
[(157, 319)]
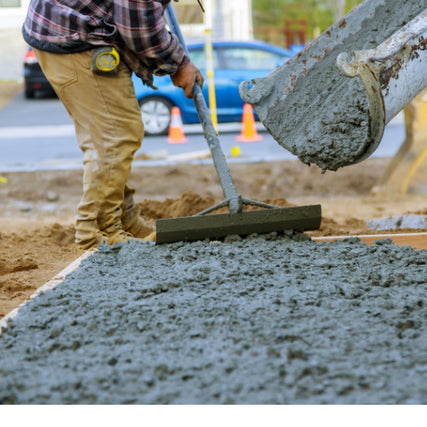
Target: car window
[(198, 58), (251, 59)]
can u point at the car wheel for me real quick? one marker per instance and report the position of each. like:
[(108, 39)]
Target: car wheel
[(156, 115)]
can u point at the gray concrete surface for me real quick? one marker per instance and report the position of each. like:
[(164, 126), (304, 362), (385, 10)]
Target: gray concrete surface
[(264, 320)]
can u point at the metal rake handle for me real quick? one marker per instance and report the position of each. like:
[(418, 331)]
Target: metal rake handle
[(211, 136)]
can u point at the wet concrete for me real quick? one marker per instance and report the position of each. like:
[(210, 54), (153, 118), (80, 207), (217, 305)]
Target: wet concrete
[(262, 320)]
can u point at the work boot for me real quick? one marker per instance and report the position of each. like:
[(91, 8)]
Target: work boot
[(139, 229), (87, 235), (115, 233), (131, 220), (134, 224)]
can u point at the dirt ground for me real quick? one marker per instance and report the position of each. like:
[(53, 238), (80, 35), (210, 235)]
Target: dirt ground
[(37, 208)]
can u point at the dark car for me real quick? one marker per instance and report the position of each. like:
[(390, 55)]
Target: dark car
[(34, 79), (233, 62)]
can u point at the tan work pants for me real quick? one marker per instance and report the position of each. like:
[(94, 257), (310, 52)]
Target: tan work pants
[(109, 131)]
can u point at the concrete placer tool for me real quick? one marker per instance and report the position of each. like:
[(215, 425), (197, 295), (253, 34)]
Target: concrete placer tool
[(313, 106), (237, 221)]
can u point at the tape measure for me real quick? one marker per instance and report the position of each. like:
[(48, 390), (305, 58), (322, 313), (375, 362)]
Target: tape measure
[(105, 60)]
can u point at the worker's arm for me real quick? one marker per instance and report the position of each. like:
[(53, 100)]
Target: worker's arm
[(142, 28)]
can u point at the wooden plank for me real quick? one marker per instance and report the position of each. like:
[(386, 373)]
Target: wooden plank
[(415, 240)]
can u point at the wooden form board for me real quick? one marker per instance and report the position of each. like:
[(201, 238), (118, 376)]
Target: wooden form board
[(415, 240)]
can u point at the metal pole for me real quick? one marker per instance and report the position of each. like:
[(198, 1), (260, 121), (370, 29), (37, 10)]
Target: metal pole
[(234, 200), (211, 77)]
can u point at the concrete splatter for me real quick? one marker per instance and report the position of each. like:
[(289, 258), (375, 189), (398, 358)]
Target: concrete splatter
[(263, 320)]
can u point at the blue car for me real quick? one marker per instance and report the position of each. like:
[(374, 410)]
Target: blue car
[(233, 62)]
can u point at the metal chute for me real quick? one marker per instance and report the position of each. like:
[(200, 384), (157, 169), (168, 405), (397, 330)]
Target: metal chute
[(319, 114)]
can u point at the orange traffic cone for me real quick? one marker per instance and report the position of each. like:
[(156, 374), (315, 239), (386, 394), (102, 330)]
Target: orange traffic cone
[(176, 132), (249, 132)]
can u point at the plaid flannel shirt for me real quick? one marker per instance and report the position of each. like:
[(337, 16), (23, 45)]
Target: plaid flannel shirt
[(135, 27)]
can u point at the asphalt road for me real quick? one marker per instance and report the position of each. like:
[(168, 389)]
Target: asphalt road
[(38, 134)]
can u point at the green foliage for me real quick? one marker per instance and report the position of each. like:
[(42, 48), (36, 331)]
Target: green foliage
[(319, 14)]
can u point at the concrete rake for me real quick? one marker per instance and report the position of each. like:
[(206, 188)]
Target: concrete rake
[(216, 226)]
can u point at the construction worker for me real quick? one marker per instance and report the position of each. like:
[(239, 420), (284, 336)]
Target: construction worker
[(88, 49)]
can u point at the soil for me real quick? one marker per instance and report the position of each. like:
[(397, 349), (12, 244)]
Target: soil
[(38, 208)]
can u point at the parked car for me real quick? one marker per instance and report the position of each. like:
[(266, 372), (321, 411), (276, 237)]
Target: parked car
[(233, 62), (34, 79)]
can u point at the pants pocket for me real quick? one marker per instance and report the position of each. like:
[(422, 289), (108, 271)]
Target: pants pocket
[(58, 68)]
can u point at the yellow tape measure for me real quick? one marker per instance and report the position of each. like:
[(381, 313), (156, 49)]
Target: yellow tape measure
[(105, 60)]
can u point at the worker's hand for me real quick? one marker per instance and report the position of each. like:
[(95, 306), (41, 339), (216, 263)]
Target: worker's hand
[(185, 78)]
